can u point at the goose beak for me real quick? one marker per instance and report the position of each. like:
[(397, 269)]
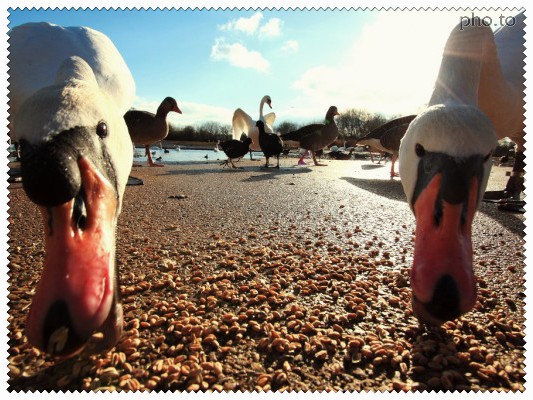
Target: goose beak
[(177, 109), (78, 291), (442, 276)]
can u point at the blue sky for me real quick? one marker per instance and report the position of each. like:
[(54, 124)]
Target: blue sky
[(215, 61)]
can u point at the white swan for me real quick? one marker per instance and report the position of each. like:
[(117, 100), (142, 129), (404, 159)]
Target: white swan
[(243, 123), (445, 160), (69, 88)]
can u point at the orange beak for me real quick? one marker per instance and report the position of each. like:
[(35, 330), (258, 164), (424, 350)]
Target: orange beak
[(78, 292), (442, 277)]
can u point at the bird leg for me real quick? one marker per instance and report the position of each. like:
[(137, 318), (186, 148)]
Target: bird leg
[(392, 173), (267, 163), (277, 166), (233, 165), (315, 161), (151, 163), (301, 160)]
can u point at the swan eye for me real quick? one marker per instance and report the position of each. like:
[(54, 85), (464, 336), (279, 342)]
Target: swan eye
[(419, 150), (101, 130)]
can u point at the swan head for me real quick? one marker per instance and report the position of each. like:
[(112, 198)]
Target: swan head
[(76, 156), (445, 162), (266, 99)]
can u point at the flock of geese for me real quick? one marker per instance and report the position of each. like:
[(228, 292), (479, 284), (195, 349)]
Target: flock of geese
[(69, 113)]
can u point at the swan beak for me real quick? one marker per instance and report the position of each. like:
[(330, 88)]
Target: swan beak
[(78, 291), (177, 109), (442, 277)]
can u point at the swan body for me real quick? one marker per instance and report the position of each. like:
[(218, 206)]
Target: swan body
[(69, 88), (445, 160), (243, 123)]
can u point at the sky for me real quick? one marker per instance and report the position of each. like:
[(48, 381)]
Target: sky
[(214, 61)]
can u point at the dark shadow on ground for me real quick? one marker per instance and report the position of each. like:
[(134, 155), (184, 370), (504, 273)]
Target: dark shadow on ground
[(265, 174), (392, 189), (372, 166)]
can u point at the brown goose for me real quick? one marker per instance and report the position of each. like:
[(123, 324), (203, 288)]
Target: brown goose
[(315, 137), (147, 128), (387, 138)]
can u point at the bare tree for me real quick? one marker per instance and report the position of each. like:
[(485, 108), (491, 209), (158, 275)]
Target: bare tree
[(286, 126), (356, 123)]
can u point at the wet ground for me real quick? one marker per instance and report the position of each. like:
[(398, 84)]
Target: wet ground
[(289, 279)]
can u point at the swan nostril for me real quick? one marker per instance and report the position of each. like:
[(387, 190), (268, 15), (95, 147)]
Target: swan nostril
[(79, 210), (445, 304)]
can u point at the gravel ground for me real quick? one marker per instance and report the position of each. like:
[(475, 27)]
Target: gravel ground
[(296, 279)]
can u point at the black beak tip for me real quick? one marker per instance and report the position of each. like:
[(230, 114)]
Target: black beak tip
[(444, 306)]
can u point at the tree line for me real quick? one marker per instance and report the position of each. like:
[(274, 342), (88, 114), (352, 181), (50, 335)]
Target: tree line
[(353, 124)]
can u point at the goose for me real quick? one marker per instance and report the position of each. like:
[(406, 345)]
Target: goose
[(76, 154), (243, 123), (147, 128), (445, 160), (315, 137), (387, 137), (271, 144), (235, 149)]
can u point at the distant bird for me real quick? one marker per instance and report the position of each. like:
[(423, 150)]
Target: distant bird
[(271, 144), (340, 155), (147, 128), (315, 137), (387, 138), (178, 148), (446, 158), (159, 158), (243, 123), (235, 149), (167, 151)]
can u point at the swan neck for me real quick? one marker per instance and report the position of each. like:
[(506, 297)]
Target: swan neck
[(261, 105), (466, 54)]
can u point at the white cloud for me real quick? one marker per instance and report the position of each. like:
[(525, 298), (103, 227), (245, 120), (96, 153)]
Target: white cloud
[(193, 113), (390, 68), (271, 29), (239, 56), (247, 25), (290, 46)]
